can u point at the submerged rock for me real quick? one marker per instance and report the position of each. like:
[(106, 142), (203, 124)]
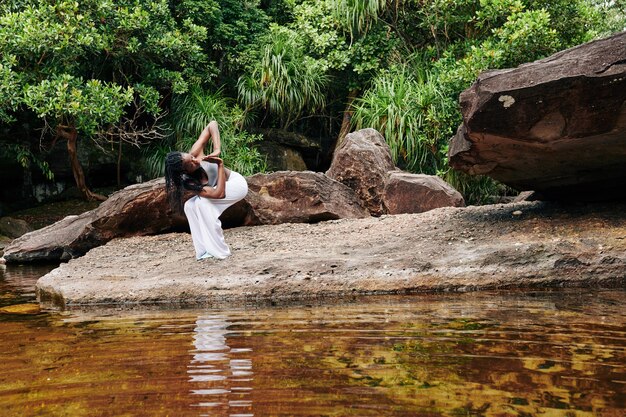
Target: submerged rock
[(29, 308)]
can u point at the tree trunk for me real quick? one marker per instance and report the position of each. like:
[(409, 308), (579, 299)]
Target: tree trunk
[(119, 165), (71, 135), (347, 118)]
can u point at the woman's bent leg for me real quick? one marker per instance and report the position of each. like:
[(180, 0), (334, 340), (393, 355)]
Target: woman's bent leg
[(207, 231), (236, 190), (203, 217), (191, 213)]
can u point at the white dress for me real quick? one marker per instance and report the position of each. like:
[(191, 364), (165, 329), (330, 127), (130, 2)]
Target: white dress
[(203, 217)]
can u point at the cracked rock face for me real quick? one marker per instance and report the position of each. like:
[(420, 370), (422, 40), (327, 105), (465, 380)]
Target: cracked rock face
[(556, 126)]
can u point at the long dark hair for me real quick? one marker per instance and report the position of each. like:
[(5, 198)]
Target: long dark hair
[(177, 180)]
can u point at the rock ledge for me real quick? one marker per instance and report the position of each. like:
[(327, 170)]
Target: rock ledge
[(521, 245)]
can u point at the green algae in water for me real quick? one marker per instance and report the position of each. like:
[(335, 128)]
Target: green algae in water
[(26, 308)]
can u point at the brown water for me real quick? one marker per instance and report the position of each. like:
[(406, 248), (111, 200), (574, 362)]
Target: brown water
[(473, 354)]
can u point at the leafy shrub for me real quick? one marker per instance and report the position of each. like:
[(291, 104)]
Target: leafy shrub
[(191, 112), (413, 115)]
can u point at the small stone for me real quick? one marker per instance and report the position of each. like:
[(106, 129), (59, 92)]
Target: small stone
[(517, 213)]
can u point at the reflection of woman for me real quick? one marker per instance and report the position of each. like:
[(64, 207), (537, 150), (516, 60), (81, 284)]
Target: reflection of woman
[(215, 187), (221, 376)]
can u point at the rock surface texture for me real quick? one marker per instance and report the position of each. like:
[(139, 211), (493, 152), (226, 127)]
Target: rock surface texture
[(300, 197), (288, 150), (137, 210), (416, 193), (362, 162), (13, 228), (556, 126), (522, 245)]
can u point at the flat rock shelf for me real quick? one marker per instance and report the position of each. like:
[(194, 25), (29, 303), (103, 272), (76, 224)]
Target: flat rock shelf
[(502, 246)]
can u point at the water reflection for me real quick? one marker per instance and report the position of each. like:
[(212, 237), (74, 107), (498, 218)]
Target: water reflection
[(221, 376), (483, 354), (17, 283)]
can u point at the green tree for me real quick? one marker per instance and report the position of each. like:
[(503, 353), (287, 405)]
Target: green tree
[(325, 55), (91, 69), (79, 66), (233, 27)]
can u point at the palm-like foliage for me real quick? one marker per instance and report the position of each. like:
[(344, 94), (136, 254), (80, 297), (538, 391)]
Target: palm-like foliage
[(193, 111), (242, 156), (190, 115), (477, 189), (285, 81), (153, 158), (412, 114), (356, 15), (416, 115)]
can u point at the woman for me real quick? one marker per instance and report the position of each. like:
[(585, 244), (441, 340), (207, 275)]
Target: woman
[(215, 187)]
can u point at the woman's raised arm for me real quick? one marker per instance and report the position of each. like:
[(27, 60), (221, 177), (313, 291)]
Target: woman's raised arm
[(220, 188), (212, 132)]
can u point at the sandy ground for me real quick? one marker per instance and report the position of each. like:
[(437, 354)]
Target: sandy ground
[(522, 245)]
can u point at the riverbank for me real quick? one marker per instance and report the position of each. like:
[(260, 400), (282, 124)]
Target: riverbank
[(49, 213), (521, 245)]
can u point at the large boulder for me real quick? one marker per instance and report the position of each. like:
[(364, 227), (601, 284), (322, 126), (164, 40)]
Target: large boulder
[(299, 197), (362, 162), (370, 184), (556, 126), (417, 193), (139, 209)]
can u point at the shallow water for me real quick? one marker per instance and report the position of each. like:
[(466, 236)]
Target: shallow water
[(473, 354)]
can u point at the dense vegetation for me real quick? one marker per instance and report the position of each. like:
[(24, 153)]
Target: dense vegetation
[(151, 73)]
